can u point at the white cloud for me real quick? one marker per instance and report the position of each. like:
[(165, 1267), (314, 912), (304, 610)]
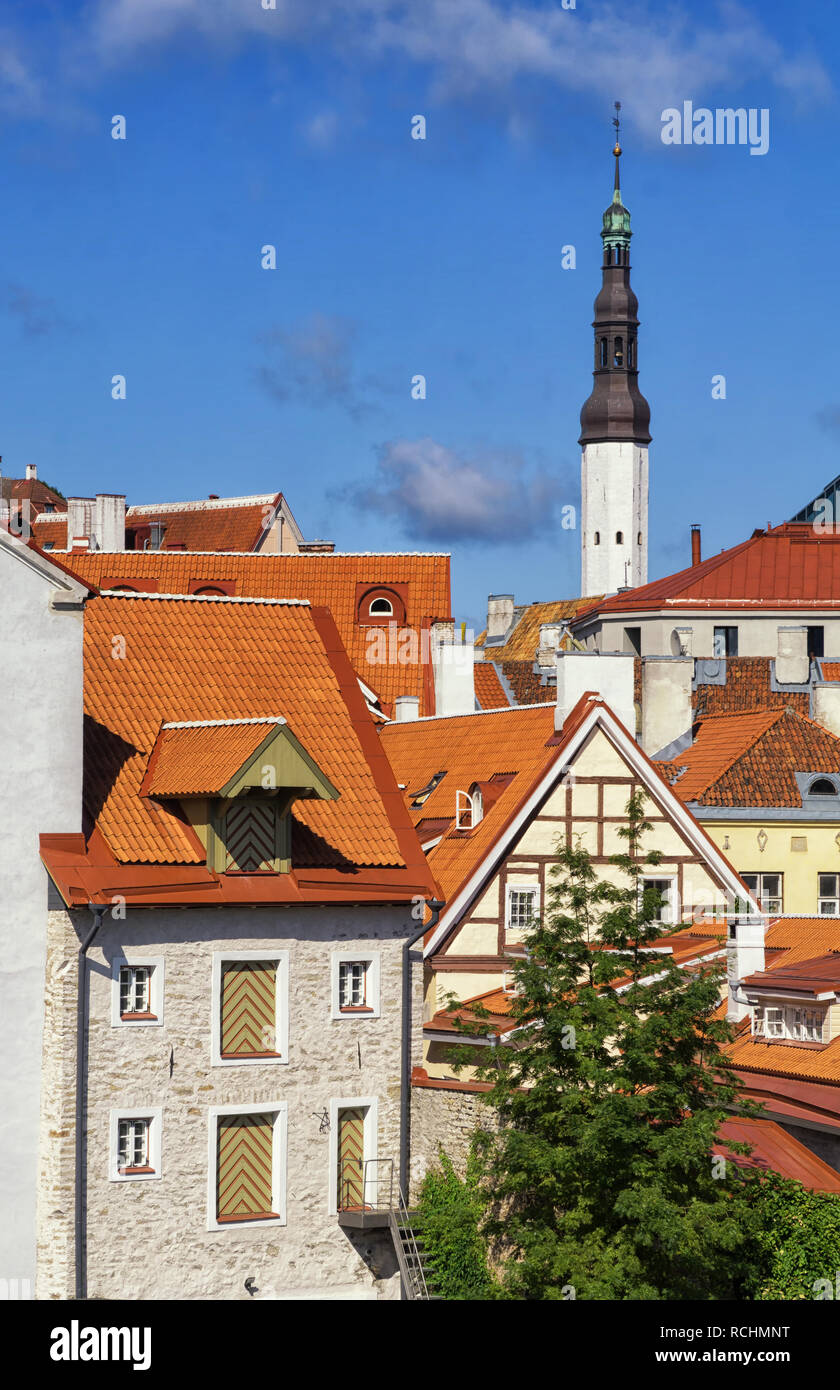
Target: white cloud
[(438, 495)]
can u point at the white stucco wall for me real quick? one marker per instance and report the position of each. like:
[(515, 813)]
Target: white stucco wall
[(614, 497), (40, 786), (330, 1059)]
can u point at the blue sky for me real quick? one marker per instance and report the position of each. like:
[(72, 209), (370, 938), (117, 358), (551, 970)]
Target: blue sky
[(396, 257)]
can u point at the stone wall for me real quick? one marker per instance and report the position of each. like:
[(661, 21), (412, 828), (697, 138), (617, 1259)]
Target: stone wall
[(150, 1238), (445, 1117)]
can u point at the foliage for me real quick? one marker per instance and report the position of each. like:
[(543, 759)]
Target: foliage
[(799, 1236), (450, 1212), (601, 1181)]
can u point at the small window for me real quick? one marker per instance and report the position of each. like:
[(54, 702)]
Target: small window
[(619, 537), (816, 643), (157, 530), (137, 991), (767, 888), (468, 810), (522, 907), (355, 984), (639, 540), (477, 800), (250, 1024), (135, 1144), (618, 353), (248, 1167), (425, 792), (664, 910), (789, 1023), (725, 642), (211, 591), (603, 352), (821, 786), (382, 607), (596, 539), (829, 895), (49, 507), (48, 545)]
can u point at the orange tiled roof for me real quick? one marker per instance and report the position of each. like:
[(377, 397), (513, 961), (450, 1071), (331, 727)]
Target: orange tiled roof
[(225, 523), (334, 581), (747, 687), (831, 670), (528, 686), (202, 659), (199, 759), (524, 640), (489, 690), (774, 1149), (495, 1001), (750, 759), (470, 748)]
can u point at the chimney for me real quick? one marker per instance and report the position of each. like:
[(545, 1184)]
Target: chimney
[(666, 701), (109, 521), (499, 614), (793, 666), (827, 705), (406, 709), (550, 636), (453, 662), (79, 519), (608, 674), (212, 497), (31, 472), (744, 956), (695, 543)]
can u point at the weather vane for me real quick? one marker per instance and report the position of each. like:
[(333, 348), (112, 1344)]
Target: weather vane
[(617, 123)]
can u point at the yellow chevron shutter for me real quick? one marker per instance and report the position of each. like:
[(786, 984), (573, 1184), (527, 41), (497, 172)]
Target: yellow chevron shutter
[(351, 1149), (249, 1017), (251, 836), (244, 1169)]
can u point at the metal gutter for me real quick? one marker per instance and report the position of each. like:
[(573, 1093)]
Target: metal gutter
[(436, 907), (98, 910)]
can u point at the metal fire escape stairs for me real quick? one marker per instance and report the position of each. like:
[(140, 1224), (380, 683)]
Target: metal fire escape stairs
[(384, 1205)]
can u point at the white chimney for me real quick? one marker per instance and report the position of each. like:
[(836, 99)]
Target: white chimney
[(79, 519), (499, 614), (608, 674), (827, 706), (453, 664), (406, 708), (550, 637), (793, 666), (109, 521), (744, 956), (666, 700), (31, 472)]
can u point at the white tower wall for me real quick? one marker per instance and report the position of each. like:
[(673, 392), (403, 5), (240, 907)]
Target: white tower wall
[(614, 499)]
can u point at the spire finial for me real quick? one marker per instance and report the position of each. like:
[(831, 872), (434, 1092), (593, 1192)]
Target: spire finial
[(617, 150)]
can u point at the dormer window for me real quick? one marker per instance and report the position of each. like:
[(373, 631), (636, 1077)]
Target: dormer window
[(788, 1023), (156, 534), (380, 605), (469, 808), (382, 608), (821, 786), (425, 792)]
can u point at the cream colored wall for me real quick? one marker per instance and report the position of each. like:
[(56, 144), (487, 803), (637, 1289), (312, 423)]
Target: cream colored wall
[(800, 868)]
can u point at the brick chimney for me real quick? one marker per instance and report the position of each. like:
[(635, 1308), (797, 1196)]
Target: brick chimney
[(695, 543)]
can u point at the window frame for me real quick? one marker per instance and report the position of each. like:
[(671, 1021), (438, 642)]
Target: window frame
[(281, 1008), (370, 1141), (525, 886), (758, 891), (372, 983), (131, 961), (154, 1115), (785, 1020), (279, 1160), (673, 902)]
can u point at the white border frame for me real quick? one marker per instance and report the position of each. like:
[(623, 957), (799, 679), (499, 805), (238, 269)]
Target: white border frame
[(156, 990), (281, 1009), (370, 1140), (152, 1113), (372, 984), (279, 1162), (525, 886)]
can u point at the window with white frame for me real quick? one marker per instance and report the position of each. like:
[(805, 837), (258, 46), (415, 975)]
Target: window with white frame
[(250, 1019), (137, 991), (767, 888), (522, 906), (355, 984), (469, 808), (788, 1022), (829, 894), (667, 910), (247, 1165), (134, 1151)]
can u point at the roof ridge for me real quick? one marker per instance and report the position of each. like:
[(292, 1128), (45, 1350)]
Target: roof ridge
[(206, 504), (218, 723), (273, 555), (471, 714), (207, 598)]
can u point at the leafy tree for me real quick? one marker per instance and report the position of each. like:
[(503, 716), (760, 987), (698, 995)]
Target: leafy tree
[(450, 1212), (609, 1097), (799, 1237)]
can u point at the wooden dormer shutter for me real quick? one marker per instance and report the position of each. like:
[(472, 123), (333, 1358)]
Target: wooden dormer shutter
[(244, 1168), (249, 1009), (251, 836)]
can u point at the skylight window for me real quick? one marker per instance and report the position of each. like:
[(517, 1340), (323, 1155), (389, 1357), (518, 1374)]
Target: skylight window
[(425, 792)]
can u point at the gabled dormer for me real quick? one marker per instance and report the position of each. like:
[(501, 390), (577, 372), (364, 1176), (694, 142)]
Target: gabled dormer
[(235, 781), (797, 1004)]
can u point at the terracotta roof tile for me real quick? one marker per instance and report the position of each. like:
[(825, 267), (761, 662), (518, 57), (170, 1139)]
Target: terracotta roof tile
[(528, 686), (747, 687), (524, 640), (750, 759), (489, 690), (200, 759), (329, 580)]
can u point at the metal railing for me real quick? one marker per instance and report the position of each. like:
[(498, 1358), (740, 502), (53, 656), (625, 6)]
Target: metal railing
[(365, 1187)]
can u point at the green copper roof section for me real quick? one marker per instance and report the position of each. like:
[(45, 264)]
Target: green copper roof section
[(616, 222)]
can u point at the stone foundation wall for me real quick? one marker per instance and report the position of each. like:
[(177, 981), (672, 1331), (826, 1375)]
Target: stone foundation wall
[(443, 1119)]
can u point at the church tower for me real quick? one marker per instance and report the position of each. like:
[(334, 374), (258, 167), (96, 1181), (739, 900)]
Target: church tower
[(615, 424)]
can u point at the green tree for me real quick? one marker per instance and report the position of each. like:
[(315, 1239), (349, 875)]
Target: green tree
[(450, 1213), (799, 1237), (609, 1096)]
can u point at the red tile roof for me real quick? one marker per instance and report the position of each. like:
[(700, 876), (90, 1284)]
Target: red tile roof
[(524, 640), (335, 581), (199, 759), (791, 566), (747, 687), (773, 1149), (224, 523), (203, 659), (750, 759), (489, 690)]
